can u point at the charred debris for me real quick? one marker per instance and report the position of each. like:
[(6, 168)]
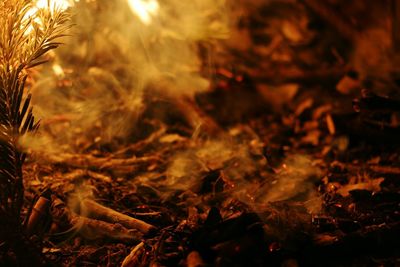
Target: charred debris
[(276, 145)]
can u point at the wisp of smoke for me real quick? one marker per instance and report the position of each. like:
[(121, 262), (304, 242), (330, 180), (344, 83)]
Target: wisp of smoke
[(94, 90), (295, 181)]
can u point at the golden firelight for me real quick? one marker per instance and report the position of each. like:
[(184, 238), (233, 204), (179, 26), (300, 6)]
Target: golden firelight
[(54, 4), (145, 10)]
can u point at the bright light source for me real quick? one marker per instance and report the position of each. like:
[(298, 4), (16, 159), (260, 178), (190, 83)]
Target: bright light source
[(53, 4), (144, 9), (46, 4)]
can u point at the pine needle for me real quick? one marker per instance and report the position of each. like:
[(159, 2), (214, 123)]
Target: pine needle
[(27, 33)]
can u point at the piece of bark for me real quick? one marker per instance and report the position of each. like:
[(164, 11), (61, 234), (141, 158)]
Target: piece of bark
[(94, 210), (96, 229), (132, 259), (39, 211)]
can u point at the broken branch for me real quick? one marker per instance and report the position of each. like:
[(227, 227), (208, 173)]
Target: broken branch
[(97, 211), (96, 229), (133, 258)]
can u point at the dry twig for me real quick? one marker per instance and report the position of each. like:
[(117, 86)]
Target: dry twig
[(89, 161), (96, 229), (95, 210), (133, 258)]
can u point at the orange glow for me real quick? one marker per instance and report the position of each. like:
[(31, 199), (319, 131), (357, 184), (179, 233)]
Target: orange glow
[(144, 9), (54, 4)]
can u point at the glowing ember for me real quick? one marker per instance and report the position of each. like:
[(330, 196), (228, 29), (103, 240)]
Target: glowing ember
[(144, 9)]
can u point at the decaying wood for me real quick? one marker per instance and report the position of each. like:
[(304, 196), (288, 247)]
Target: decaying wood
[(76, 174), (90, 161), (132, 259), (94, 210), (40, 210), (96, 229), (194, 260)]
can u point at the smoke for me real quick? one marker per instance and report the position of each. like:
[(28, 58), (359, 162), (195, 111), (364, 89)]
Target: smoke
[(94, 93), (242, 165), (187, 168), (82, 192), (295, 181), (94, 90)]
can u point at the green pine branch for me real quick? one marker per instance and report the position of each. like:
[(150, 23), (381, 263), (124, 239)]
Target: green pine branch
[(26, 35)]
